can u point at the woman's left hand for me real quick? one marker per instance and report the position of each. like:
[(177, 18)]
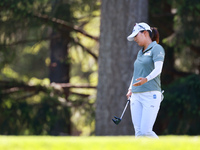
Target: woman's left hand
[(140, 81)]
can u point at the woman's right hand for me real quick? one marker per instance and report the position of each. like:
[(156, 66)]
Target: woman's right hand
[(129, 93)]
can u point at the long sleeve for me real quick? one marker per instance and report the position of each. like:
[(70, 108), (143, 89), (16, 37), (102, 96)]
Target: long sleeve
[(130, 87), (158, 68)]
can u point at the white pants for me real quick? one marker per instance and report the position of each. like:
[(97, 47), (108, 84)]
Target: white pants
[(144, 109)]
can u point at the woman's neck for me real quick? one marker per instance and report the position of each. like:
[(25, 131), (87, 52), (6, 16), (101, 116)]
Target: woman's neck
[(149, 41)]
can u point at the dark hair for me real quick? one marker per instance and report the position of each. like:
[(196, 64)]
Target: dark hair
[(154, 34)]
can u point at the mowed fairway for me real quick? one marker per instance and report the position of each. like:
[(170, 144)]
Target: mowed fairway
[(99, 143)]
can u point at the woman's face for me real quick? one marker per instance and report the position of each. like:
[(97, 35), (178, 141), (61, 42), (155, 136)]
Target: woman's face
[(140, 38)]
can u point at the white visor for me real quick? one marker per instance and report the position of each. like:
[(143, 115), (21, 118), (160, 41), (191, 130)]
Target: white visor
[(137, 28)]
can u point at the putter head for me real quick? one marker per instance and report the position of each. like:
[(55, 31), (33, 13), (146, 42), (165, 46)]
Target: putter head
[(117, 120)]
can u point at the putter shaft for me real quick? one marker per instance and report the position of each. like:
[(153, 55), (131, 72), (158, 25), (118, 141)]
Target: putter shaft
[(125, 108)]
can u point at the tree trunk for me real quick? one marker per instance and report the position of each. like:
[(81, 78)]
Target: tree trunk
[(59, 68), (116, 58), (59, 71)]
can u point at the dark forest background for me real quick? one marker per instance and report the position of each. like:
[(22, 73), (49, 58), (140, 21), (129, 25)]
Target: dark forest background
[(49, 65)]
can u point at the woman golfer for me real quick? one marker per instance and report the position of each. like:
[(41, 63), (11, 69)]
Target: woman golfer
[(145, 87)]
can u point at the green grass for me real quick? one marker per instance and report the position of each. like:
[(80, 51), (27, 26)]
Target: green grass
[(99, 143)]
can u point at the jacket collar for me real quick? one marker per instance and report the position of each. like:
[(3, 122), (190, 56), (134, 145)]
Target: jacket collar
[(149, 47)]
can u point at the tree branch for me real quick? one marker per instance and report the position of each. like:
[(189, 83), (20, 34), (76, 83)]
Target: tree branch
[(27, 96), (87, 50), (8, 87), (79, 94), (28, 41), (65, 24), (68, 85)]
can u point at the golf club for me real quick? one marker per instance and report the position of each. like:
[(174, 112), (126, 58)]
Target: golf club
[(117, 120)]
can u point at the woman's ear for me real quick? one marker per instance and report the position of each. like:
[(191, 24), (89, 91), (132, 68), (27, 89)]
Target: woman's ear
[(146, 33)]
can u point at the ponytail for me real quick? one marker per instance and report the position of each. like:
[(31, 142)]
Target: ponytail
[(154, 34)]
